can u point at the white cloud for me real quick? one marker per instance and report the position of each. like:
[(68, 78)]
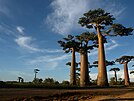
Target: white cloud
[(108, 46), (113, 45), (65, 15), (49, 62), (64, 18), (4, 10), (25, 43), (49, 59), (20, 29)]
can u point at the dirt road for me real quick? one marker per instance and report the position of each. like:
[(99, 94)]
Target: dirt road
[(93, 94)]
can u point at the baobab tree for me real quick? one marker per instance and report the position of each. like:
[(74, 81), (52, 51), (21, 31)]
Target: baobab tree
[(20, 79), (76, 73), (70, 45), (84, 48), (115, 74), (102, 22), (36, 71), (132, 72), (125, 60)]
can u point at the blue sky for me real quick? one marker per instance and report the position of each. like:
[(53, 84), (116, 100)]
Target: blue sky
[(30, 29)]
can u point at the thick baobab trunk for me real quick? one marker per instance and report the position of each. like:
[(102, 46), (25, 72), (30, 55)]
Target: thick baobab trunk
[(35, 76), (115, 77), (84, 76), (72, 69), (102, 72), (126, 75)]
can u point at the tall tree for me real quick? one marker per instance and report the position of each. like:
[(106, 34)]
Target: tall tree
[(125, 60), (132, 72), (115, 74), (76, 68), (102, 22), (84, 48), (20, 79), (70, 45), (36, 71)]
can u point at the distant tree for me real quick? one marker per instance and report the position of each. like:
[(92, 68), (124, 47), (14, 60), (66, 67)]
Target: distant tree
[(20, 79), (50, 81), (38, 80), (132, 72), (66, 83), (76, 73), (125, 60), (107, 63), (112, 80), (102, 22), (36, 71), (70, 45), (115, 74), (120, 79)]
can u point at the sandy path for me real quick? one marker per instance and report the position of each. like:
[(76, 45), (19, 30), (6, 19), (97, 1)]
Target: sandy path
[(101, 94)]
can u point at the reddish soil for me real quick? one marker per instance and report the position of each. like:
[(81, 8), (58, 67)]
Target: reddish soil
[(93, 94)]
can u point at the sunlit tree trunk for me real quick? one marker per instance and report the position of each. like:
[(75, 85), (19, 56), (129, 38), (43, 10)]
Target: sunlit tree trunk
[(84, 76), (126, 75), (102, 72), (115, 77), (72, 69)]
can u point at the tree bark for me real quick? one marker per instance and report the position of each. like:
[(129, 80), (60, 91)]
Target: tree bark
[(84, 74), (126, 75), (115, 77), (73, 69), (102, 72)]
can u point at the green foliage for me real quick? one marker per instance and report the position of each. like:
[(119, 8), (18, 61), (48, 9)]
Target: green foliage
[(97, 16), (114, 69), (65, 83), (84, 39), (132, 72), (124, 59), (50, 81), (68, 43), (104, 21), (112, 81), (108, 63), (37, 80)]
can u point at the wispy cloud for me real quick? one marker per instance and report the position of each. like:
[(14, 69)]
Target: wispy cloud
[(20, 29), (108, 46), (65, 15), (49, 62), (49, 59), (25, 43), (112, 45), (4, 10)]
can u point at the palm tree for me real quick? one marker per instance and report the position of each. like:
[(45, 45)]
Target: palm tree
[(70, 45), (115, 75), (84, 48), (125, 60), (102, 22), (36, 71)]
